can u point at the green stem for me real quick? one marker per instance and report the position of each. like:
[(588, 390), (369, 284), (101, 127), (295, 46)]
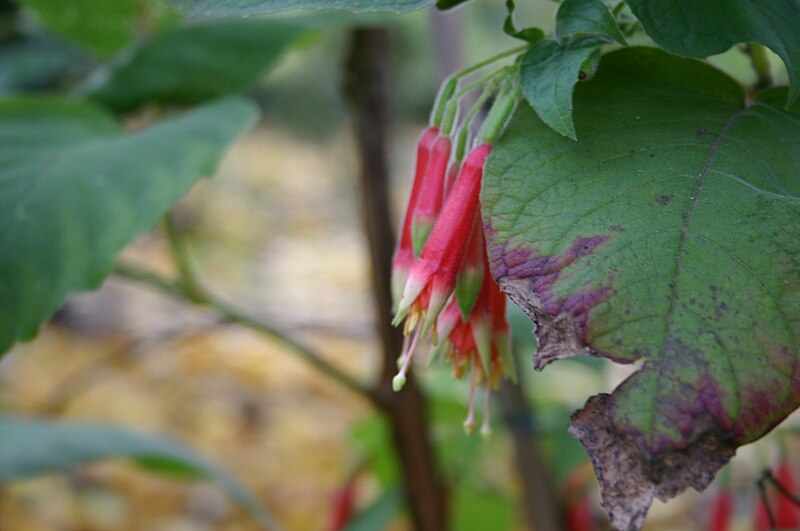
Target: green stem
[(452, 107), (180, 254), (463, 133), (758, 58), (501, 111), (446, 93), (233, 315)]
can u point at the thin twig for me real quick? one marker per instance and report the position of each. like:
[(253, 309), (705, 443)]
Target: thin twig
[(762, 492), (781, 488), (180, 254), (366, 87), (233, 315)]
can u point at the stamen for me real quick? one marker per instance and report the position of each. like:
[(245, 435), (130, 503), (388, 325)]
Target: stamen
[(403, 351), (469, 423), (411, 322), (400, 378)]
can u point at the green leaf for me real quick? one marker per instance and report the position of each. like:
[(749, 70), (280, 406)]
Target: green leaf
[(37, 63), (29, 448), (525, 34), (253, 7), (191, 64), (474, 509), (703, 28), (448, 4), (101, 26), (75, 189), (548, 74), (374, 436), (669, 235), (587, 18)]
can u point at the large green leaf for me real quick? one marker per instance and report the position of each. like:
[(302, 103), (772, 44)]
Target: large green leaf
[(669, 234), (702, 28), (29, 448), (191, 64), (252, 7), (75, 189)]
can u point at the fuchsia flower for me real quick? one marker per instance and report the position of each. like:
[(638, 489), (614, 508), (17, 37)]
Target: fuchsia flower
[(440, 280), (470, 277), (404, 255), (431, 194), (440, 260), (451, 273)]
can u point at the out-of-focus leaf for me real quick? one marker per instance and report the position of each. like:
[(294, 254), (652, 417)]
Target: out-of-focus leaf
[(102, 26), (703, 28), (39, 63), (374, 436), (75, 189), (195, 63), (380, 514), (253, 7), (29, 448), (473, 510)]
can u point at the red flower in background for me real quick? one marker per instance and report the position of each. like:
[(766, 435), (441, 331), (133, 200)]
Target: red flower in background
[(721, 511)]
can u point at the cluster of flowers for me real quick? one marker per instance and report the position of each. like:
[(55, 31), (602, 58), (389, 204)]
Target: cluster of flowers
[(441, 281)]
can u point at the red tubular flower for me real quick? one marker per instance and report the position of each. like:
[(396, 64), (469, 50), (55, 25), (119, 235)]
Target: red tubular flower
[(470, 277), (481, 321), (431, 194), (721, 511), (501, 336), (444, 251), (404, 254)]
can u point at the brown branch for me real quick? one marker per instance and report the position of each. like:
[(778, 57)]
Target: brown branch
[(538, 495), (233, 315), (366, 88)]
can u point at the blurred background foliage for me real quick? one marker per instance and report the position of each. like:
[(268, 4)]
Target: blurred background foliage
[(277, 231)]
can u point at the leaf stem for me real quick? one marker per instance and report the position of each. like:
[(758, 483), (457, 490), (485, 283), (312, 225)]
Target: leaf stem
[(180, 254), (463, 133), (762, 492), (452, 106), (760, 62), (233, 315)]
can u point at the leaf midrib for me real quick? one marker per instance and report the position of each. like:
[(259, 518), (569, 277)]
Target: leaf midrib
[(681, 251)]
